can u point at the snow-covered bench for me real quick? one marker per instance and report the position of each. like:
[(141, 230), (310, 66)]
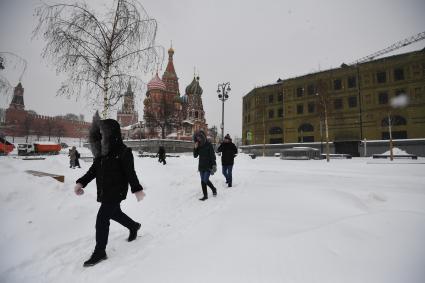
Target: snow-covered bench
[(337, 156), (154, 155), (300, 153), (395, 156), (87, 158), (34, 158), (60, 178)]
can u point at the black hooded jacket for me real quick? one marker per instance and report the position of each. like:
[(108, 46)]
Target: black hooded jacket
[(228, 152), (161, 152), (113, 165), (205, 151)]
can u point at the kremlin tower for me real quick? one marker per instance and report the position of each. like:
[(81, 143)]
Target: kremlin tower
[(127, 115)]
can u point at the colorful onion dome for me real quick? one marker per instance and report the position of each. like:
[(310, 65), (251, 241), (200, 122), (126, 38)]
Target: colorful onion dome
[(156, 83), (194, 87)]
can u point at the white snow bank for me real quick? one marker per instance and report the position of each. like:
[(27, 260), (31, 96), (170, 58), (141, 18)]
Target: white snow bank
[(396, 151), (283, 221)]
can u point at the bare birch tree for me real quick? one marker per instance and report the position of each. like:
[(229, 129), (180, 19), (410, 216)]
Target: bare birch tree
[(12, 67), (163, 117), (49, 126), (27, 126), (100, 55), (59, 131), (324, 108)]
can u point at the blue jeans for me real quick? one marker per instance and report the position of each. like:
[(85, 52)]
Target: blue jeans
[(205, 176), (227, 172)]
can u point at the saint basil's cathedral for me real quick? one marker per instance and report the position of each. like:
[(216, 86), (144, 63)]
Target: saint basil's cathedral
[(166, 113)]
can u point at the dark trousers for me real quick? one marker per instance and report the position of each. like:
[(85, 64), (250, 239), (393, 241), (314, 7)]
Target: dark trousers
[(162, 160), (227, 172), (108, 211)]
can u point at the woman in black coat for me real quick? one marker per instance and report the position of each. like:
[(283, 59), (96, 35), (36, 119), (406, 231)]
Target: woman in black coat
[(113, 168), (207, 165)]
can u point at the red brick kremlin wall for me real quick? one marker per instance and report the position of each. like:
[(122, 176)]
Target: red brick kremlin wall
[(39, 125)]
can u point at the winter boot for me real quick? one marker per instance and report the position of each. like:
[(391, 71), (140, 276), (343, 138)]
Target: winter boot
[(95, 258), (229, 184), (204, 191), (213, 189), (133, 232)]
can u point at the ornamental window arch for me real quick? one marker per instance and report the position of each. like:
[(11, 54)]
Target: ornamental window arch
[(306, 127)]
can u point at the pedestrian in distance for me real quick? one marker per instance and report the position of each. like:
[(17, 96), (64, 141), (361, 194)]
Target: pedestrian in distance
[(77, 158), (161, 155), (206, 165), (228, 153), (113, 169), (72, 153)]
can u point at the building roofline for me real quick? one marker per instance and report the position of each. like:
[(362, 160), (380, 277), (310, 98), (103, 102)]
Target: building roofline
[(343, 66)]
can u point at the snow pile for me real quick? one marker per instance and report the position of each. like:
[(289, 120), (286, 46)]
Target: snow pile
[(283, 221), (396, 151)]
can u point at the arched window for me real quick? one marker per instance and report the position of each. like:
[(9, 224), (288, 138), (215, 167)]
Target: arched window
[(396, 120), (275, 131), (306, 127)]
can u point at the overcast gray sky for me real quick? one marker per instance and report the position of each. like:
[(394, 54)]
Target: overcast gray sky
[(248, 43)]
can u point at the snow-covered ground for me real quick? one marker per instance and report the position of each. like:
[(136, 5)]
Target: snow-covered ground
[(283, 221)]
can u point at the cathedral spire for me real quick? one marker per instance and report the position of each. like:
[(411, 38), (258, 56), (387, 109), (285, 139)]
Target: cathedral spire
[(170, 71), (170, 77)]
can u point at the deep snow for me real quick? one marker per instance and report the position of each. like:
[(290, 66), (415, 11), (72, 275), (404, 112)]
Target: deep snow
[(283, 221)]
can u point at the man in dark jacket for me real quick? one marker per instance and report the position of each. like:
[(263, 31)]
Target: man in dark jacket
[(228, 152), (113, 168), (161, 155), (207, 165)]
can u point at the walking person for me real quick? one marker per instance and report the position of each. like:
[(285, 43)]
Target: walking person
[(228, 152), (161, 155), (207, 165), (113, 168), (77, 158), (72, 153)]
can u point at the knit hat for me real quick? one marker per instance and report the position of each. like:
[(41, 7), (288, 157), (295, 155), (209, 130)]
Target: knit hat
[(227, 137)]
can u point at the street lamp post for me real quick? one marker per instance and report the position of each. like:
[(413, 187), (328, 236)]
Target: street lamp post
[(223, 90), (400, 101)]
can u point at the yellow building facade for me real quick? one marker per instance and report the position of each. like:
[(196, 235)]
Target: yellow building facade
[(357, 99)]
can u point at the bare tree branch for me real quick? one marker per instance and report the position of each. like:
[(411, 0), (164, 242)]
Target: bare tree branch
[(99, 54)]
